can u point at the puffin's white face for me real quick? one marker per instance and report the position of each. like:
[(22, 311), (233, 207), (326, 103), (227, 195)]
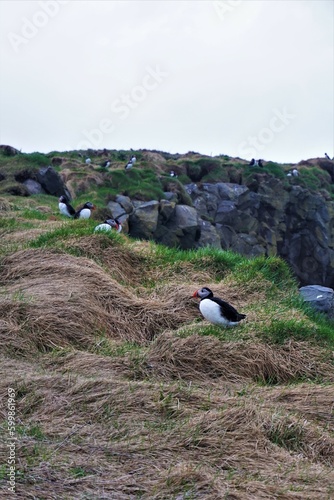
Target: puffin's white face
[(112, 223), (203, 293)]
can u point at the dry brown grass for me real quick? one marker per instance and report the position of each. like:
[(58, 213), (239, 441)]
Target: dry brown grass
[(158, 439), (5, 205), (79, 179), (119, 397), (197, 357), (69, 300)]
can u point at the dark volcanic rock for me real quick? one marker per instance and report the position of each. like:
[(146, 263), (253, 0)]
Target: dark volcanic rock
[(291, 222), (52, 183), (33, 187)]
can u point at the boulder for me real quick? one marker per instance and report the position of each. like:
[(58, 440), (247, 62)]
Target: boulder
[(52, 183), (117, 212), (209, 236), (178, 226), (320, 298), (166, 210), (125, 203), (227, 236), (185, 224), (33, 187), (144, 220)]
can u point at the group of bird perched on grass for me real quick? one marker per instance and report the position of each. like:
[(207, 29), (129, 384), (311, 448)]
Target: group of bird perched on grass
[(85, 212), (107, 163), (130, 163), (214, 309)]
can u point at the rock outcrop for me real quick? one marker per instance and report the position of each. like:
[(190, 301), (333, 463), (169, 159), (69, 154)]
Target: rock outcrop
[(320, 298), (51, 182), (290, 222)]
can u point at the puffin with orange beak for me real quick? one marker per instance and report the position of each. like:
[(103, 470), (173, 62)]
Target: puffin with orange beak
[(216, 310), (85, 212)]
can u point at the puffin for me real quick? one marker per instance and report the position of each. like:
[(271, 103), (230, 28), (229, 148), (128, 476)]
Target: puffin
[(133, 159), (65, 208), (216, 310), (105, 164), (85, 211), (108, 225), (129, 165)]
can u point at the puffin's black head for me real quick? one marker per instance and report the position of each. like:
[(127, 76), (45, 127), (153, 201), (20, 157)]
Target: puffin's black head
[(112, 222), (62, 199), (89, 205), (203, 293)]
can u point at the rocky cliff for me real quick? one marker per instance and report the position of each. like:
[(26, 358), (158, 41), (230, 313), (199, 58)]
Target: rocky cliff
[(290, 222), (220, 202)]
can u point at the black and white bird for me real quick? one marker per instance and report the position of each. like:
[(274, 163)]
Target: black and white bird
[(88, 161), (253, 163), (129, 165), (108, 225), (105, 164), (65, 208), (85, 212), (216, 310), (133, 159), (260, 163)]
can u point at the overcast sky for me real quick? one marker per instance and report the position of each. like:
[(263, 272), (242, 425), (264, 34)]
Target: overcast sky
[(242, 78)]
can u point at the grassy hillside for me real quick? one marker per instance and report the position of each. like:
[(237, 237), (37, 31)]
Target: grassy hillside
[(150, 176), (123, 391)]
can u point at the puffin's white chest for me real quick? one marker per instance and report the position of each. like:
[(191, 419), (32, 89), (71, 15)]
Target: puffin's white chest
[(63, 209), (85, 213), (103, 227), (212, 312)]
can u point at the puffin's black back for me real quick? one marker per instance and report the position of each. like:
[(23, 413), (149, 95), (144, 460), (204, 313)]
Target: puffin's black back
[(228, 311)]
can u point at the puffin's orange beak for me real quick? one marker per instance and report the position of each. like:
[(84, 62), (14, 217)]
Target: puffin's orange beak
[(195, 294)]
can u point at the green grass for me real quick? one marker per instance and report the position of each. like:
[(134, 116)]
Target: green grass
[(105, 347), (141, 184), (315, 178), (70, 228), (12, 224), (273, 269), (289, 435), (279, 330), (270, 168), (32, 214), (34, 431), (78, 472)]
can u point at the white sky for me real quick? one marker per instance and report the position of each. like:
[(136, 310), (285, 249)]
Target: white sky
[(242, 78)]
